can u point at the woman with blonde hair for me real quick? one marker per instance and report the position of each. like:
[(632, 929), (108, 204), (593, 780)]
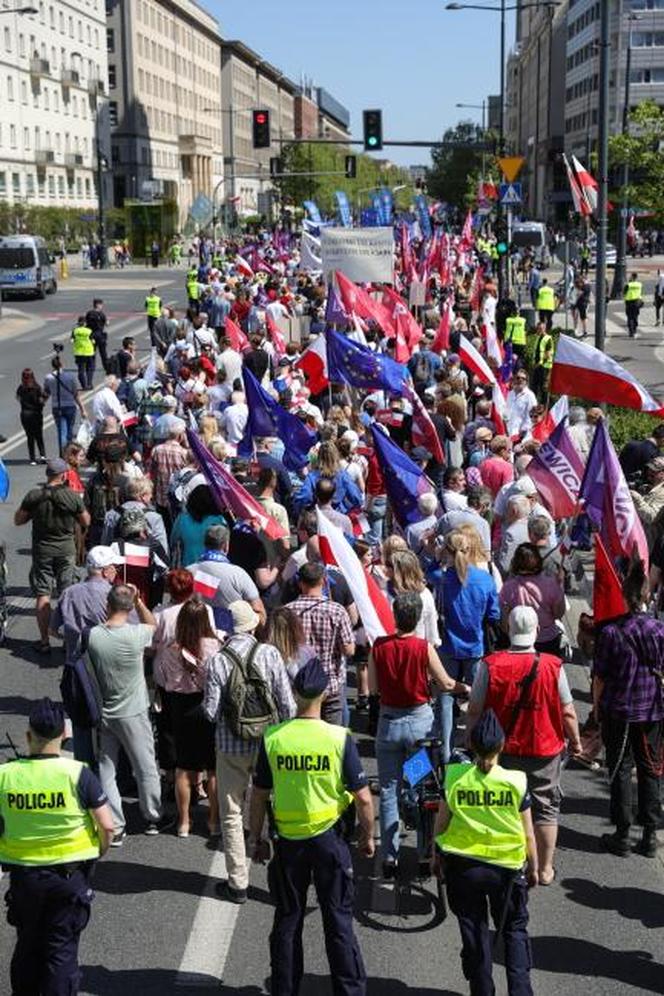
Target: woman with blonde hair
[(478, 555), (467, 597), (284, 631), (208, 429), (404, 574)]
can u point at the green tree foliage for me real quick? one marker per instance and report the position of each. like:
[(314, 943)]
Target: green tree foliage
[(641, 150), (305, 157), (448, 178)]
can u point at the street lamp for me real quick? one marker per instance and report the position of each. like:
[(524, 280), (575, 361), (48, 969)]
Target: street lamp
[(479, 107), (620, 271)]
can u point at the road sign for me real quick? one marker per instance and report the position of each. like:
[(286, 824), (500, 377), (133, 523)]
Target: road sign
[(511, 166), (510, 193)]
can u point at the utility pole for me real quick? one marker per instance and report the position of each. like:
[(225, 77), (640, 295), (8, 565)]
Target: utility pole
[(602, 178), (620, 271), (100, 206)]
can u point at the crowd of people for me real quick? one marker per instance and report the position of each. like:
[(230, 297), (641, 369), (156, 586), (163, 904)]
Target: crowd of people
[(204, 636)]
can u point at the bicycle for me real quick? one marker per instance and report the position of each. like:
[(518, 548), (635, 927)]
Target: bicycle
[(421, 794)]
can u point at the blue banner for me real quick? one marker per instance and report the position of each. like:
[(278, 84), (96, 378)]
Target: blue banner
[(422, 209), (369, 218), (343, 208), (387, 200), (312, 210), (377, 206)]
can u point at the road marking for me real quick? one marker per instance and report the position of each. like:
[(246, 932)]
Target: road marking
[(204, 958)]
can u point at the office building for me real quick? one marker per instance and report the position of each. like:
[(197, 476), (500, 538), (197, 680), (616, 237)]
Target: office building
[(53, 99), (320, 115)]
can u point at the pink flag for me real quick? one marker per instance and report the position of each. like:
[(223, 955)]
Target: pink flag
[(276, 336), (238, 339), (557, 471)]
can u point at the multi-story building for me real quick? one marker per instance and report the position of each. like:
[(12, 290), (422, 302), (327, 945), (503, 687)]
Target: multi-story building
[(52, 94), (320, 115), (164, 69), (250, 83)]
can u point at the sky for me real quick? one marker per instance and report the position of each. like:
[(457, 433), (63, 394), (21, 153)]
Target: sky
[(412, 58)]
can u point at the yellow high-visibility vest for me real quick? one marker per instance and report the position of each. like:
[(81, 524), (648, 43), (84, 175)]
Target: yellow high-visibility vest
[(634, 290), (546, 300)]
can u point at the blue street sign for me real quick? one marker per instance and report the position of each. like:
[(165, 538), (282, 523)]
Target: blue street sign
[(510, 193)]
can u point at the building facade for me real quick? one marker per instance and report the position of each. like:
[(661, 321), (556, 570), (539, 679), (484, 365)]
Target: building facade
[(250, 83), (53, 92), (164, 69)]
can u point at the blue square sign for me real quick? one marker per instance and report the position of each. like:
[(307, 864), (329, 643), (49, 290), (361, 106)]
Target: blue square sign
[(510, 193)]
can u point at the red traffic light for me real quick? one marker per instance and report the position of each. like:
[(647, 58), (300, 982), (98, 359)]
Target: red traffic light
[(261, 118)]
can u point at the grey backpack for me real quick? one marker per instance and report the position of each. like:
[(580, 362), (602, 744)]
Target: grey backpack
[(250, 707)]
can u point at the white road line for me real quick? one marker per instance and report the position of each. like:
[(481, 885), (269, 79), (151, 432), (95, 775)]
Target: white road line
[(204, 958)]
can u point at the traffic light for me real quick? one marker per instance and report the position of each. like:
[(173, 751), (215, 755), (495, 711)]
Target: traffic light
[(276, 166), (502, 244), (261, 129), (373, 130), (350, 167)]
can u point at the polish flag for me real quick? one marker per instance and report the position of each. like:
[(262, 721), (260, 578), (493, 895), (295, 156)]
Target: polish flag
[(585, 372), (587, 184), (581, 206), (206, 584), (475, 362), (313, 362), (129, 419), (372, 605), (467, 239), (276, 335), (553, 417), (239, 341), (136, 556), (242, 266), (442, 339), (423, 430), (499, 409), (493, 347)]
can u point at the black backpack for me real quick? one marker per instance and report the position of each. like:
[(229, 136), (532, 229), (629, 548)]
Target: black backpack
[(250, 707), (422, 368), (79, 696)]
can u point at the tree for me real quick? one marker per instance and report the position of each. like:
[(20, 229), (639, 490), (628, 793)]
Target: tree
[(640, 150), (447, 180)]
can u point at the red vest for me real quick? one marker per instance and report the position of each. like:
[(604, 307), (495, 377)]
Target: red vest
[(538, 731)]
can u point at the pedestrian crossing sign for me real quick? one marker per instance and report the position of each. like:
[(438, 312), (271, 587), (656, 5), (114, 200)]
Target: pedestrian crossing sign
[(510, 193)]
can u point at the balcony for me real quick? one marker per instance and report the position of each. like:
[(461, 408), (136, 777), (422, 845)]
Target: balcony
[(44, 157), (194, 145), (40, 67), (70, 77), (73, 159), (96, 88)]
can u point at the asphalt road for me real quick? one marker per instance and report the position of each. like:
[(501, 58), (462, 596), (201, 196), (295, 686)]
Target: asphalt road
[(156, 926)]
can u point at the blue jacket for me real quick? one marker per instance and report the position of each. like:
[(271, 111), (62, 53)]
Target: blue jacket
[(464, 609), (346, 496)]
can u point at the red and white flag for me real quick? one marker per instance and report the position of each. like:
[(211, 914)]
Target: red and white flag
[(587, 184), (467, 239), (276, 335), (356, 299), (475, 362), (313, 363), (557, 471), (499, 409), (372, 605), (552, 418), (206, 584), (136, 556), (238, 339), (395, 305), (585, 372), (493, 347), (581, 206), (242, 266), (423, 430), (129, 419)]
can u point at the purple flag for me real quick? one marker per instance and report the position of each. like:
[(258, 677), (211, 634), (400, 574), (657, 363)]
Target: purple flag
[(334, 310), (607, 501), (557, 470)]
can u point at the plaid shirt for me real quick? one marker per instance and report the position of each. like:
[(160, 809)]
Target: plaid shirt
[(165, 460), (626, 654), (149, 408), (270, 663), (327, 628)]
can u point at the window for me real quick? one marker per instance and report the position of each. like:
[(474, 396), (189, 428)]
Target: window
[(16, 183), (3, 184), (51, 186), (30, 185), (51, 17), (26, 139), (41, 184), (61, 22), (113, 112), (112, 79), (115, 154), (110, 40), (47, 100), (8, 40), (10, 88), (21, 45), (61, 186), (12, 136), (24, 92), (70, 25), (74, 106), (87, 186), (79, 187), (56, 100)]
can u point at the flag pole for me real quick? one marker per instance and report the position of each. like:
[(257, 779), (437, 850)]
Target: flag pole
[(602, 177)]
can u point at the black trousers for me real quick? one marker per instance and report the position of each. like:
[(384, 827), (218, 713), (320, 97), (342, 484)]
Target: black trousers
[(539, 382), (325, 859), (643, 749), (49, 910), (86, 370), (632, 313), (547, 316), (33, 426), (474, 888), (103, 355)]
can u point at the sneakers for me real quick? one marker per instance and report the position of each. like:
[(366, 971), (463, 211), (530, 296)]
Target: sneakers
[(231, 895), (616, 843), (118, 838), (154, 829)]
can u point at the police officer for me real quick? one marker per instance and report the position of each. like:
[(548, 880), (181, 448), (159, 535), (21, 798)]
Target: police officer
[(83, 347), (153, 312), (542, 362), (515, 333), (193, 290), (632, 296), (485, 833), (313, 772), (54, 824), (546, 304)]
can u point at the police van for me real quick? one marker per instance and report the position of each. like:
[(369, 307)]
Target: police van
[(25, 266)]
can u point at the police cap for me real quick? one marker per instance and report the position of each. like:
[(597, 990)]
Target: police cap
[(47, 719), (487, 735), (311, 680)]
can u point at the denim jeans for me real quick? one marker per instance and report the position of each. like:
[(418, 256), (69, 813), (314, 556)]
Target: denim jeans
[(461, 669), (398, 729), (64, 419), (376, 512)]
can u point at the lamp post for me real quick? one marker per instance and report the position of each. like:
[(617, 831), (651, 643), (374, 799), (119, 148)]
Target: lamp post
[(502, 9), (602, 176), (620, 271), (479, 107)]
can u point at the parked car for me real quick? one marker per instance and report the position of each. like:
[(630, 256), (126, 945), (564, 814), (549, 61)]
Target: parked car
[(611, 253), (26, 266)]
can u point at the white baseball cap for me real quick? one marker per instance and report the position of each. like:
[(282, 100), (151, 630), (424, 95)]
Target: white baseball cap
[(523, 625), (102, 556)]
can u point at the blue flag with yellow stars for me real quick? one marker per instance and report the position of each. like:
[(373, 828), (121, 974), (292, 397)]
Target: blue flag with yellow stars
[(350, 363), (268, 418)]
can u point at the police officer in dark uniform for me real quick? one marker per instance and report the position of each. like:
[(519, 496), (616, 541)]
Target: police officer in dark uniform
[(54, 824), (485, 832), (313, 771)]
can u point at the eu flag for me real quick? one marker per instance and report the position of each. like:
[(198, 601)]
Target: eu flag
[(268, 418), (404, 480), (350, 363)]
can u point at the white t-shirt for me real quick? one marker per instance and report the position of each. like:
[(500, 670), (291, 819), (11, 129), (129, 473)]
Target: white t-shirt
[(106, 403), (233, 421)]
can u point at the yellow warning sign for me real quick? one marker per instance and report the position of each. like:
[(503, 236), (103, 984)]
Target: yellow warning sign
[(511, 166)]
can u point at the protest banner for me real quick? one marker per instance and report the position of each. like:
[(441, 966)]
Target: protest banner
[(363, 255)]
